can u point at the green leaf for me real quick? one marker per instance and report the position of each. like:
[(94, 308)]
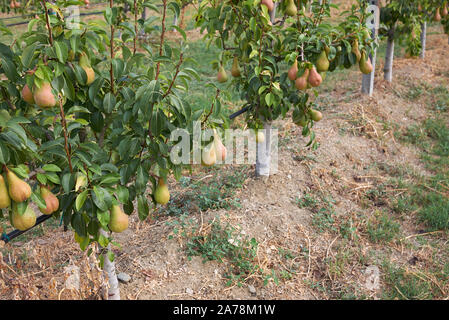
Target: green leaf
[(142, 207), (37, 199), (27, 55), (109, 102), (51, 168), (61, 51), (80, 199)]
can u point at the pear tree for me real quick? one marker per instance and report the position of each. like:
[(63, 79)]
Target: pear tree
[(280, 54), (86, 114)]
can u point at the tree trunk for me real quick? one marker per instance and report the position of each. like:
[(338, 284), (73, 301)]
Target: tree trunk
[(263, 157), (389, 57), (423, 39), (109, 270), (368, 79)]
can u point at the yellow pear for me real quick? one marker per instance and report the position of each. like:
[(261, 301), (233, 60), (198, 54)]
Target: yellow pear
[(51, 201), (365, 64), (220, 149), (23, 221), (5, 200), (118, 221), (260, 136), (301, 82), (85, 64), (293, 71), (209, 156), (316, 115), (19, 190), (314, 78), (161, 193), (43, 96)]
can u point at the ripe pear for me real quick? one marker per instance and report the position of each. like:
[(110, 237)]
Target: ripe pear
[(314, 78), (355, 50), (23, 221), (43, 96), (85, 64), (444, 12), (5, 200), (437, 16), (209, 156), (118, 221), (269, 4), (51, 201), (27, 95), (291, 9), (220, 149), (301, 82), (322, 63), (235, 70), (161, 193), (17, 4), (316, 115), (12, 4), (19, 190), (365, 64), (293, 71), (222, 76), (260, 137)]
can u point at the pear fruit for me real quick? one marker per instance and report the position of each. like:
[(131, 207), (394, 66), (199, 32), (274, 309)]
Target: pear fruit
[(118, 221), (355, 50), (269, 4), (291, 9), (322, 63), (314, 78), (23, 221), (301, 82), (235, 70), (12, 4), (161, 193), (5, 200), (27, 95), (43, 96), (85, 64), (365, 64), (209, 156), (19, 190), (316, 115), (220, 149), (51, 201), (260, 137), (293, 71), (222, 76), (444, 11), (437, 16)]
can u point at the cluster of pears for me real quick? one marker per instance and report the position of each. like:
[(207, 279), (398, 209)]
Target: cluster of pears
[(222, 76), (213, 151), (313, 75), (364, 62), (19, 191), (42, 96), (444, 12), (14, 4)]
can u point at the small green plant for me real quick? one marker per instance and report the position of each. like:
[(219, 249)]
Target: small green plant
[(225, 243), (383, 229)]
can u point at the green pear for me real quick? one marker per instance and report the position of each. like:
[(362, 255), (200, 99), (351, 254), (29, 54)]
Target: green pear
[(161, 193), (19, 190), (5, 200), (365, 64), (316, 115), (23, 221), (235, 70), (260, 137), (222, 76), (118, 221), (291, 9), (322, 63)]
